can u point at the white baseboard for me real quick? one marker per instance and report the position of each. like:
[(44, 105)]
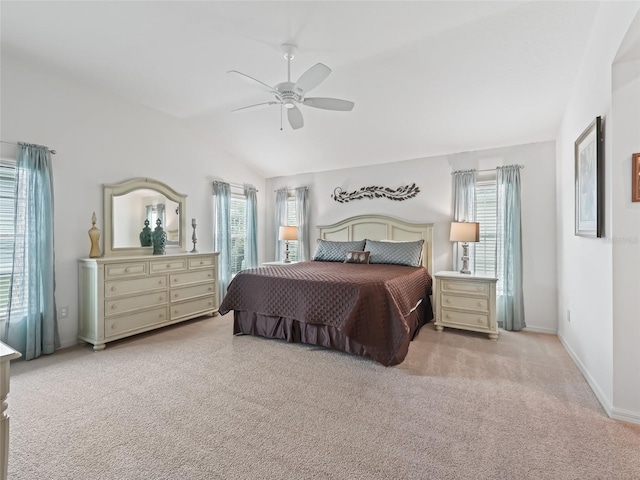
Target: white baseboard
[(69, 343), (602, 398), (625, 415), (550, 331)]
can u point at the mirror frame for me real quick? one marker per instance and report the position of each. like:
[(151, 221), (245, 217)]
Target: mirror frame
[(118, 189)]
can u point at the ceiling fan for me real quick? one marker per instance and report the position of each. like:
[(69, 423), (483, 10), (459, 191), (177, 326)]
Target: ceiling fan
[(289, 95)]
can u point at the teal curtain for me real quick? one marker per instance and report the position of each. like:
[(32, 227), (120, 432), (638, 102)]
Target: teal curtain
[(251, 246), (280, 220), (32, 324), (464, 210), (302, 219), (510, 300), (222, 233)]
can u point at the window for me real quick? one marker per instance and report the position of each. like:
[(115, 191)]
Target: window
[(485, 258), (292, 220), (238, 232), (7, 232)]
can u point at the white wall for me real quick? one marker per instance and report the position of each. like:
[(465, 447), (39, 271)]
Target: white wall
[(625, 112), (101, 138), (434, 204), (585, 274)]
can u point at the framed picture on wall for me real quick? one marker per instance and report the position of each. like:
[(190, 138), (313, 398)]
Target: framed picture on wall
[(635, 177), (589, 170)]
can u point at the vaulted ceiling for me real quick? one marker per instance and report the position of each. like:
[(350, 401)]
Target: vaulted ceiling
[(427, 78)]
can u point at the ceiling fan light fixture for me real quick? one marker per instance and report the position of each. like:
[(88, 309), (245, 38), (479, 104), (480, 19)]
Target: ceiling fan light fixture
[(289, 104)]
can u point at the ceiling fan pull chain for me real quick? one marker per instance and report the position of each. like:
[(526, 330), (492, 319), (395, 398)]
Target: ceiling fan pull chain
[(280, 117)]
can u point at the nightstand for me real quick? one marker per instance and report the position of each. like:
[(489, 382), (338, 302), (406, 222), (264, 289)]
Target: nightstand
[(467, 302), (279, 262)]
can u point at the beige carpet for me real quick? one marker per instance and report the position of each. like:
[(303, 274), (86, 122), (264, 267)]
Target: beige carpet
[(194, 402)]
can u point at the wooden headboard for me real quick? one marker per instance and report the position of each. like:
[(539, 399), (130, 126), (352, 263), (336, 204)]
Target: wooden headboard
[(380, 227)]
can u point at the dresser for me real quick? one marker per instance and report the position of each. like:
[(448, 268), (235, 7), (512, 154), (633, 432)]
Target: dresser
[(123, 296), (466, 302), (6, 355)]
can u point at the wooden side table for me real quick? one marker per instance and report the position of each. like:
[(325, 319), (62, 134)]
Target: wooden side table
[(6, 355), (466, 302)]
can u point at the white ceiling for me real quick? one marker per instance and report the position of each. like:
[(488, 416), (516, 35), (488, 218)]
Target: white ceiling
[(427, 78)]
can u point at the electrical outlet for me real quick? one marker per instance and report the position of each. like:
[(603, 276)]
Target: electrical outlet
[(64, 312), (568, 315)]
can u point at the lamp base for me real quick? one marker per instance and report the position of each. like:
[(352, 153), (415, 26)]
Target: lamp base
[(286, 252), (465, 259)]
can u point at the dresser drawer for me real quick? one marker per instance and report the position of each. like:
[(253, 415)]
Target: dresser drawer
[(459, 318), (186, 278), (201, 262), (118, 270), (476, 288), (467, 303), (127, 304), (168, 265), (128, 323), (178, 294), (125, 287), (200, 305)]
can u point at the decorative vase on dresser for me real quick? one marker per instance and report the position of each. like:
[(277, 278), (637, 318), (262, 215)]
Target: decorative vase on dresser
[(123, 296), (466, 302)]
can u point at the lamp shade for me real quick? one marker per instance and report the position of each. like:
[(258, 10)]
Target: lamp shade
[(288, 233), (465, 232)]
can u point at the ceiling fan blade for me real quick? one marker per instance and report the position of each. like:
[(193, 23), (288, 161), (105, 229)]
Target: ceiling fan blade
[(295, 118), (329, 103), (257, 106), (311, 78), (253, 81)]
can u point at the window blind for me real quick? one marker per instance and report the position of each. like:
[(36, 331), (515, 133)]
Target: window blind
[(7, 206), (485, 258), (292, 220), (238, 233)]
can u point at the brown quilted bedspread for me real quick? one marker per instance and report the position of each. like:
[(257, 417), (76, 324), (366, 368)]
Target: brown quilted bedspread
[(367, 303)]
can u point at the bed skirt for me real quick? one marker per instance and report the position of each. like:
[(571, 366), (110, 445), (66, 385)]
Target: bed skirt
[(294, 331)]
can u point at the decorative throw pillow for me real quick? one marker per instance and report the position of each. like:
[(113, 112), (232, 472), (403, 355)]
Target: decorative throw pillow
[(403, 253), (328, 251), (357, 257)]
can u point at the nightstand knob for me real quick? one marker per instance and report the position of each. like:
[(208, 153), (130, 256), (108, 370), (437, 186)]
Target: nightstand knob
[(113, 289), (113, 326), (479, 320), (448, 315), (480, 304), (126, 270), (479, 289), (113, 306), (448, 300)]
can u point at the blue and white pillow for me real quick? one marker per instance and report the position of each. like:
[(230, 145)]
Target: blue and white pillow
[(401, 253), (328, 251)]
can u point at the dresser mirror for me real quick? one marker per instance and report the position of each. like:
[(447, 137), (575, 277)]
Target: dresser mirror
[(126, 207)]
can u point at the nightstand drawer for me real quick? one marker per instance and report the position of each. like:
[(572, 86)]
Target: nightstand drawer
[(476, 288), (465, 303), (451, 317)]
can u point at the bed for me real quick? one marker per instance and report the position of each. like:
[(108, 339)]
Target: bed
[(372, 310)]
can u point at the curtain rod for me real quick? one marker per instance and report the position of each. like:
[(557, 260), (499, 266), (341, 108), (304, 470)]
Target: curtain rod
[(53, 152), (485, 170), (238, 185), (290, 189)]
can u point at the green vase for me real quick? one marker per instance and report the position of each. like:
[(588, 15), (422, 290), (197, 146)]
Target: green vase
[(159, 239), (145, 235)]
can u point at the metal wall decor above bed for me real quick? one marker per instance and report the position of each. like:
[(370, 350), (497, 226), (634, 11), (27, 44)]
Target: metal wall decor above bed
[(399, 194)]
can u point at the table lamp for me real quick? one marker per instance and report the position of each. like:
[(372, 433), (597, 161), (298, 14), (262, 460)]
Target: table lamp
[(465, 232), (287, 234)]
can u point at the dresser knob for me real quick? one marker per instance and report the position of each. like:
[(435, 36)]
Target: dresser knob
[(479, 289), (126, 270), (113, 306), (159, 282), (161, 298), (113, 289), (175, 279), (448, 315), (160, 315), (448, 300), (211, 289), (168, 265), (201, 263), (210, 303), (113, 326), (480, 304), (479, 320), (175, 311), (176, 295), (209, 275)]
